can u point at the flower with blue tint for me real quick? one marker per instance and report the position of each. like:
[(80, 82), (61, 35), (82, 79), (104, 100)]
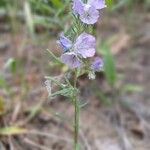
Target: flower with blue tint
[(65, 43), (83, 47), (97, 64), (88, 13), (71, 60), (78, 7), (98, 4)]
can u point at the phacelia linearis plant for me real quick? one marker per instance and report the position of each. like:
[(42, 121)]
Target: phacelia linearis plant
[(78, 45)]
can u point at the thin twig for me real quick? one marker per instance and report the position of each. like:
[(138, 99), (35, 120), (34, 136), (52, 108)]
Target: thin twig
[(2, 146), (85, 140), (11, 146), (50, 135), (125, 143), (53, 55), (28, 141)]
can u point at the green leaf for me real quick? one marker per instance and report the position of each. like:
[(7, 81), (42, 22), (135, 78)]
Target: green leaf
[(12, 130), (55, 80), (52, 55), (109, 3), (2, 81), (132, 88), (1, 105), (77, 147), (67, 92), (29, 18), (57, 3), (109, 65), (11, 64)]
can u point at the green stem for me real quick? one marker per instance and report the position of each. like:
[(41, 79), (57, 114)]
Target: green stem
[(76, 123), (76, 115)]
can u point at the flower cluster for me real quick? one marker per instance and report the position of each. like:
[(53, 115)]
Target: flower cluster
[(89, 12), (84, 46)]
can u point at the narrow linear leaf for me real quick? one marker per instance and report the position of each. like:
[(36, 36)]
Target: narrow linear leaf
[(12, 130), (132, 88), (2, 81), (67, 92), (55, 80), (29, 18), (53, 56), (1, 105), (109, 65), (11, 64)]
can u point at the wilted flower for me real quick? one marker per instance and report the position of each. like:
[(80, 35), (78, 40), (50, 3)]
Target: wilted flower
[(48, 86), (83, 47), (97, 64), (91, 75), (88, 13)]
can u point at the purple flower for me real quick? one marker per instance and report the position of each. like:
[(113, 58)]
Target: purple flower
[(97, 64), (85, 45), (65, 43), (70, 59), (78, 7), (98, 4), (88, 13)]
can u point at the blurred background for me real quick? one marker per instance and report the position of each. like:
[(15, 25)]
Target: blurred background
[(115, 113)]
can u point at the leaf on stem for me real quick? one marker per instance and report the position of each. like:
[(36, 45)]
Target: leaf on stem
[(12, 130)]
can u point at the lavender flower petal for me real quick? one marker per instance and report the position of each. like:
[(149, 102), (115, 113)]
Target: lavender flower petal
[(70, 59), (85, 45), (77, 7), (65, 43), (90, 14), (97, 64), (98, 4)]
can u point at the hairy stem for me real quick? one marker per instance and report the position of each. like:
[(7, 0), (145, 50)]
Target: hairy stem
[(76, 115)]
